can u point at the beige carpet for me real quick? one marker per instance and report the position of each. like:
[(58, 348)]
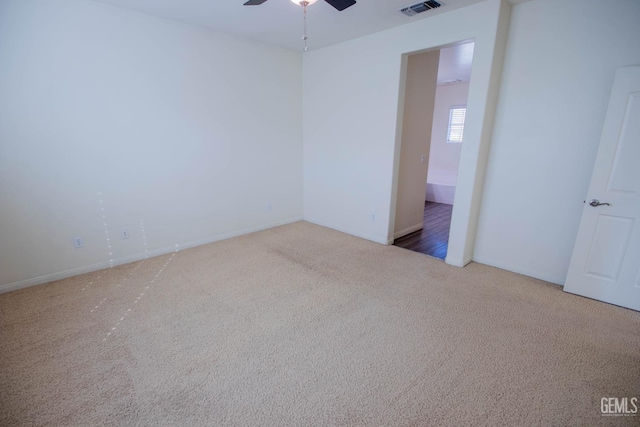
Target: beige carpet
[(304, 326)]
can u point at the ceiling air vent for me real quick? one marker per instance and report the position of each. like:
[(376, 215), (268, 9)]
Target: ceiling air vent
[(420, 7)]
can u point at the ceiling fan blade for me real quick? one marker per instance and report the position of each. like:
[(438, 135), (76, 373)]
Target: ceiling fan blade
[(254, 2), (341, 4)]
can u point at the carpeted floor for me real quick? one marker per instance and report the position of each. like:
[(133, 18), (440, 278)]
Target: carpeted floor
[(304, 326)]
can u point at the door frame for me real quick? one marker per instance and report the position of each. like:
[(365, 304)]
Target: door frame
[(481, 106)]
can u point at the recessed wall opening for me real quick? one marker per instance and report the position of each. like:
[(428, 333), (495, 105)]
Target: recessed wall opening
[(435, 103)]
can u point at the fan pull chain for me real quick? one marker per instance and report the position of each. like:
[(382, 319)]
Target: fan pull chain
[(304, 12)]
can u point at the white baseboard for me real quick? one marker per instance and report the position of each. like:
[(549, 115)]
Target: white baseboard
[(9, 287), (519, 270), (366, 236), (456, 262), (137, 257), (408, 230)]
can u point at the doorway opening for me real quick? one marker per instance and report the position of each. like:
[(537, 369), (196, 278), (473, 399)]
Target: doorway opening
[(436, 92)]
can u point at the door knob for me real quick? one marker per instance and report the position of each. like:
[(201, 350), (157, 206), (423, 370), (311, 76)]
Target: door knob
[(595, 203)]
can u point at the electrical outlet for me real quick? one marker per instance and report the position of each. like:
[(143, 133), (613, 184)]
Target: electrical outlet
[(269, 207), (124, 234), (423, 159), (78, 242), (373, 216)]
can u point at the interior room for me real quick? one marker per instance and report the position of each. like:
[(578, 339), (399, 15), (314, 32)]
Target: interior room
[(198, 204)]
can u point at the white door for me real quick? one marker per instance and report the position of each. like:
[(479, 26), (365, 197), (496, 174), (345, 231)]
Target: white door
[(606, 258)]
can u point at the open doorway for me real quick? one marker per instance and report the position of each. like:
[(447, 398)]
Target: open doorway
[(433, 133)]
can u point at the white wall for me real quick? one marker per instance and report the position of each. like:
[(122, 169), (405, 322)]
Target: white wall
[(190, 131), (444, 157), (558, 72), (351, 110), (419, 98)]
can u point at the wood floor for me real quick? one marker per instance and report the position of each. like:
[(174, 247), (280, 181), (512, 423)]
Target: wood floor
[(433, 239)]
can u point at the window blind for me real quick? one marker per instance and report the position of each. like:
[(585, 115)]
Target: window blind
[(456, 124)]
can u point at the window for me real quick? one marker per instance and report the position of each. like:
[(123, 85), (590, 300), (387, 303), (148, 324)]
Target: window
[(456, 123)]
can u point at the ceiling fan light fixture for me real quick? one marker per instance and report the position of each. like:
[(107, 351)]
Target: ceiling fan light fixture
[(339, 5)]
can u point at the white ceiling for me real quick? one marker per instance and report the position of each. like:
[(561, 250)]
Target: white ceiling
[(279, 22)]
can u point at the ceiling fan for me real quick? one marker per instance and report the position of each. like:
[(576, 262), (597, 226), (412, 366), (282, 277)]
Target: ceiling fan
[(338, 4)]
